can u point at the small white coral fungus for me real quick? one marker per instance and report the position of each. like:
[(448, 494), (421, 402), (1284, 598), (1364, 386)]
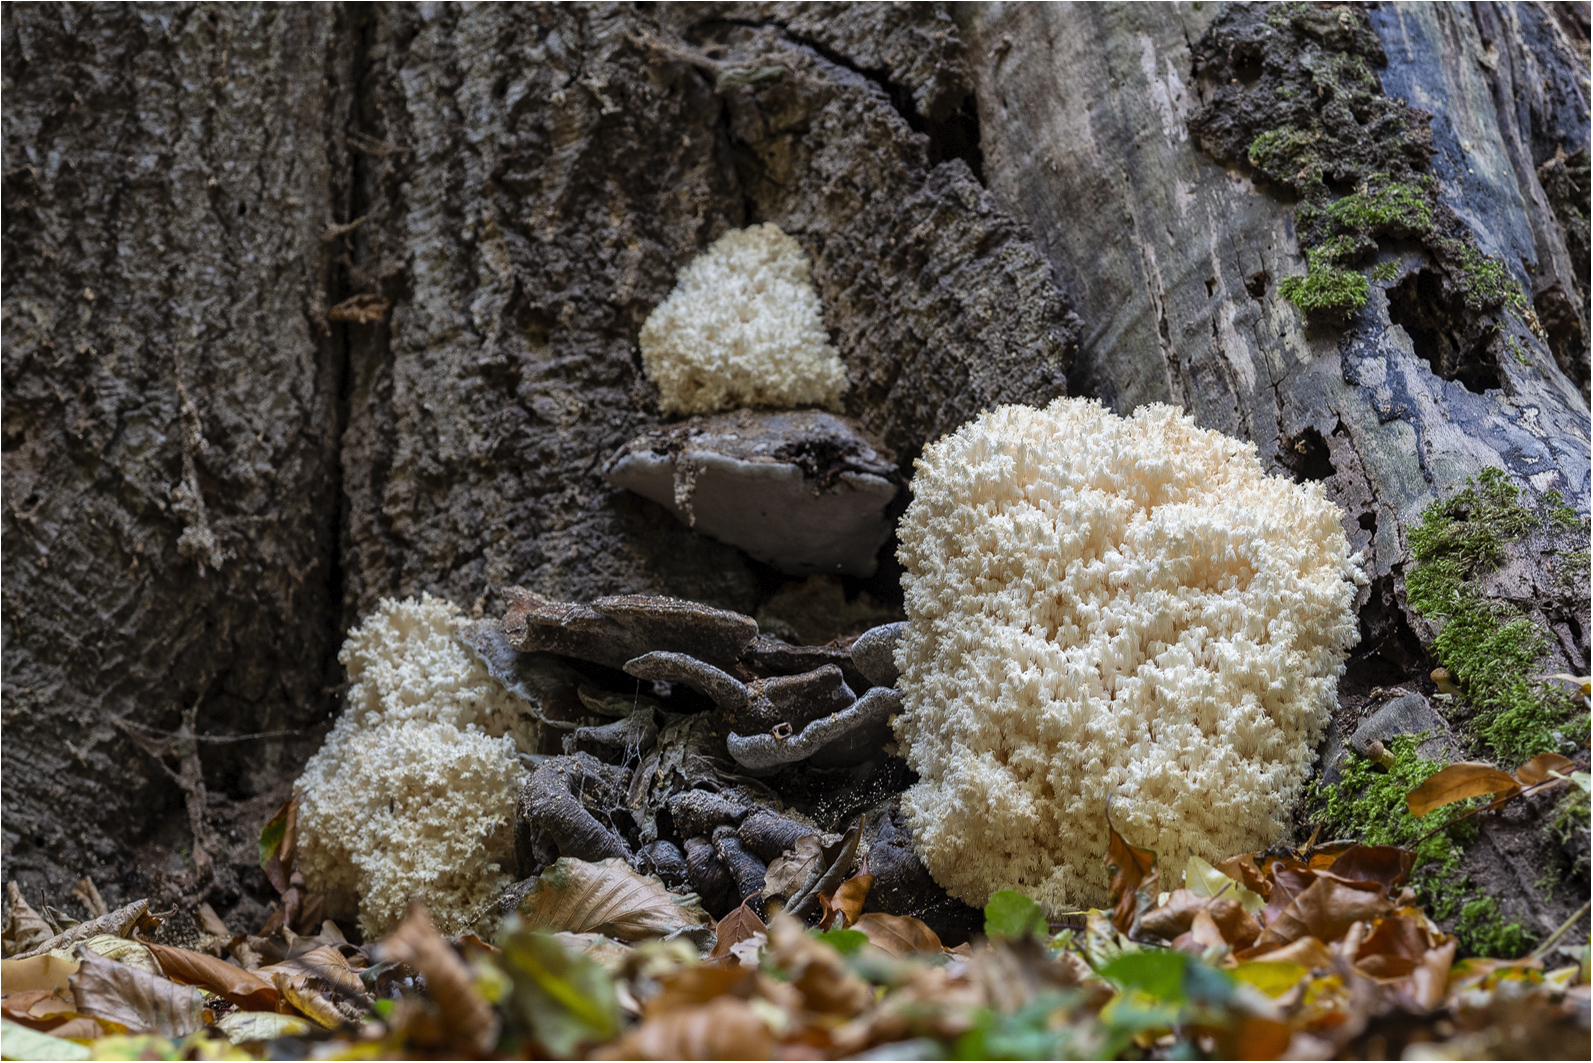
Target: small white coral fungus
[(413, 793), (742, 328), (1107, 608)]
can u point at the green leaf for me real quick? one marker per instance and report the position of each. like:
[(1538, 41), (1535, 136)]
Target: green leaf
[(560, 998), (19, 1042), (1013, 915), (271, 835), (845, 942), (1158, 974)]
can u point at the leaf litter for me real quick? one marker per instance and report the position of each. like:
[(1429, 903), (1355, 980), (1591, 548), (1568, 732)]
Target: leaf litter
[(1318, 952)]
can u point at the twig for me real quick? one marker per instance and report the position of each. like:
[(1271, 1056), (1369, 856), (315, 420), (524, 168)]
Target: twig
[(1543, 949)]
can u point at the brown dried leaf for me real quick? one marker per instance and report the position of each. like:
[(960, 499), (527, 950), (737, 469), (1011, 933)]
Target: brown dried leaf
[(89, 896), (117, 924), (1325, 910), (1386, 865), (791, 868), (25, 928), (1245, 870), (1456, 783), (687, 987), (469, 1023), (1393, 948), (606, 897), (1254, 1037), (39, 972), (1308, 952), (244, 988), (138, 1000), (846, 903), (740, 925), (1538, 769), (1130, 866), (899, 935), (321, 985), (816, 970), (726, 1027), (1430, 979)]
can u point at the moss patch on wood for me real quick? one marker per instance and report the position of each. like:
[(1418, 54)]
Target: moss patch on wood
[(1295, 94)]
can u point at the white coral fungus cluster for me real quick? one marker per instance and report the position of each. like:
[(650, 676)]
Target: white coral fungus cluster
[(743, 327), (413, 793), (1117, 610)]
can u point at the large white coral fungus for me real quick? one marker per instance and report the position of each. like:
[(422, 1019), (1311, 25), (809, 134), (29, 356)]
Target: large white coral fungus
[(1104, 608)]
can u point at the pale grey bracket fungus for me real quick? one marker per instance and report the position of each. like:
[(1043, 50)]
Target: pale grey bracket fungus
[(874, 653), (802, 490)]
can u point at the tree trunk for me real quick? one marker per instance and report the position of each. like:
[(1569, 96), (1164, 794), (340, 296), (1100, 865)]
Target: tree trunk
[(214, 474)]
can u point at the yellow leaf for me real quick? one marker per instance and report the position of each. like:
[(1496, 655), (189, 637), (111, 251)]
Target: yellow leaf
[(1272, 978), (1203, 880)]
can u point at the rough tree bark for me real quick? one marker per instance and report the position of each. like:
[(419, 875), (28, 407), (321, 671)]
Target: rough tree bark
[(212, 481)]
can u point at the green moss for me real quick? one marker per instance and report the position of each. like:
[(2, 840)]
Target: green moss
[(1384, 272), (1368, 804), (1515, 347), (1325, 291), (1572, 815), (1384, 205), (1489, 645), (1286, 155), (1483, 932)]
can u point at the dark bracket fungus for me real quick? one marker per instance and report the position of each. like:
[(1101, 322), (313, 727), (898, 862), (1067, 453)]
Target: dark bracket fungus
[(803, 490), (861, 728), (612, 631), (750, 745)]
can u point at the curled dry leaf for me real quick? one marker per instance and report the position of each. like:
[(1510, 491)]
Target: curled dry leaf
[(1456, 783), (842, 907), (469, 1023), (25, 928), (899, 935), (137, 1000), (88, 895), (606, 897), (1325, 910), (321, 985), (1130, 866), (117, 924), (726, 1027)]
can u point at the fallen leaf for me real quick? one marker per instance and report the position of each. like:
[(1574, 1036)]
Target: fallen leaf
[(1430, 979), (241, 1027), (89, 896), (122, 950), (1012, 915), (137, 1000), (846, 902), (740, 925), (278, 839), (1244, 870), (1272, 977), (1205, 880), (1308, 952), (117, 924), (1387, 865), (899, 935), (1542, 768), (320, 984), (1254, 1037), (606, 897), (36, 972), (469, 1024), (1581, 682), (790, 870), (816, 970), (19, 1042), (1393, 948), (688, 987), (562, 999), (726, 1027), (25, 928), (1456, 783), (1129, 866), (1325, 910)]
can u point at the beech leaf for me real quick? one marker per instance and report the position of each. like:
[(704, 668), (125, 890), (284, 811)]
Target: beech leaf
[(740, 925), (1542, 768), (1010, 914), (468, 1022), (608, 898), (1456, 783), (137, 1000), (19, 1042), (242, 1027), (899, 935), (25, 928), (1130, 866), (846, 902)]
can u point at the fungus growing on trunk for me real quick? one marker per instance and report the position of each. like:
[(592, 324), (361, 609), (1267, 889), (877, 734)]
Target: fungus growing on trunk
[(1107, 610)]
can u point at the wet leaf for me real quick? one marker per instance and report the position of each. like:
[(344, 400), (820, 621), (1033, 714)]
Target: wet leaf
[(1456, 783), (1130, 866), (242, 1027), (562, 1000), (726, 1027), (1542, 768), (740, 925), (19, 1042), (1010, 915), (469, 1024), (608, 898), (899, 935), (137, 1000)]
